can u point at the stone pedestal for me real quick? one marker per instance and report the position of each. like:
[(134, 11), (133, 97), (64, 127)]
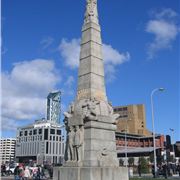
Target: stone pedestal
[(90, 173)]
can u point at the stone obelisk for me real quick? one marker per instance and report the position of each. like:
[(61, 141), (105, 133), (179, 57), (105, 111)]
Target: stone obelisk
[(90, 121)]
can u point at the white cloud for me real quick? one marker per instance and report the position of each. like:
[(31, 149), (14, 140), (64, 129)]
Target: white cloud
[(25, 88), (46, 42), (9, 124), (165, 30), (165, 13), (113, 58), (69, 82), (70, 51)]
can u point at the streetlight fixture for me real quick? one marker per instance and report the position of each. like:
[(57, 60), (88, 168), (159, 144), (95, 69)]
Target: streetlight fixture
[(154, 140), (172, 130)]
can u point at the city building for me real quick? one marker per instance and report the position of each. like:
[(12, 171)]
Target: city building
[(54, 106), (131, 145), (177, 149), (42, 141), (7, 150), (132, 119)]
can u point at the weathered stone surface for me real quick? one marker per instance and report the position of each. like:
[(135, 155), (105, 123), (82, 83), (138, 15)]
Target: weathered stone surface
[(91, 173), (90, 121)]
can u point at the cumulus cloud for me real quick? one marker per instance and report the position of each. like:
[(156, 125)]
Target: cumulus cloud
[(113, 58), (70, 51), (165, 30), (46, 42), (24, 89), (9, 124)]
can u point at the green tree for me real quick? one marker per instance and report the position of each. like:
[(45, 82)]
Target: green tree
[(144, 165), (131, 161), (121, 162), (151, 157)]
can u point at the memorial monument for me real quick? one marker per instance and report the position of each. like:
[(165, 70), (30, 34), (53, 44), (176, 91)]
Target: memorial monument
[(90, 121)]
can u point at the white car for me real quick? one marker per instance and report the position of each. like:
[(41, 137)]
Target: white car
[(10, 169)]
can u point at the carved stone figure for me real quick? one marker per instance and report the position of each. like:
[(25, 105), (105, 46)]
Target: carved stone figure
[(70, 111), (91, 12), (91, 6), (78, 141), (90, 113), (70, 151)]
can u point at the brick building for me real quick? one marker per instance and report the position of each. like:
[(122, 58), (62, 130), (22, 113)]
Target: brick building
[(132, 119)]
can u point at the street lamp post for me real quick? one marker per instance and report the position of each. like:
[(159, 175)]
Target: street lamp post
[(154, 140), (172, 131), (126, 160)]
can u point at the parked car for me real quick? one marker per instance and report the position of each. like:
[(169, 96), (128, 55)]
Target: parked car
[(10, 169)]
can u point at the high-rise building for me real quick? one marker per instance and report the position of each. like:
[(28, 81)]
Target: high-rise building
[(54, 106), (132, 119), (7, 149), (42, 141)]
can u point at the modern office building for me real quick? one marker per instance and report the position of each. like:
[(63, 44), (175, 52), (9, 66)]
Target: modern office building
[(132, 119), (54, 106), (7, 150), (42, 141)]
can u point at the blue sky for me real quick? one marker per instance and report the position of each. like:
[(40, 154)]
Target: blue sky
[(40, 48)]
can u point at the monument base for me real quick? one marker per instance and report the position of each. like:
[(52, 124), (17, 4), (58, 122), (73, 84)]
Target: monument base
[(90, 173)]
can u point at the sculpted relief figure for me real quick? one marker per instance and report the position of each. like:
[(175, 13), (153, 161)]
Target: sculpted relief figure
[(91, 10), (78, 142), (70, 151), (70, 112), (91, 6), (111, 112), (90, 109), (74, 143)]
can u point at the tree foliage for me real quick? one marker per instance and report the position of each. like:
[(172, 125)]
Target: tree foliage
[(131, 161), (144, 165)]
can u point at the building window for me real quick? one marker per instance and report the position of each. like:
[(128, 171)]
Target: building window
[(52, 131), (58, 132), (40, 131), (34, 131), (53, 138), (50, 138), (124, 108), (25, 133), (20, 133), (46, 134), (30, 132)]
